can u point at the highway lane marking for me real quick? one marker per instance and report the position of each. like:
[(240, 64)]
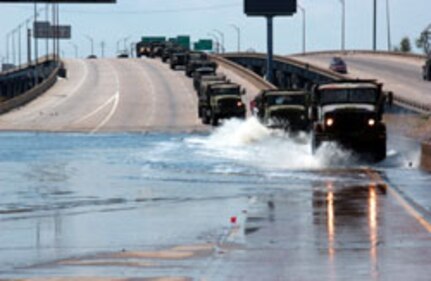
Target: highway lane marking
[(73, 92), (403, 202), (116, 98), (152, 89), (101, 107)]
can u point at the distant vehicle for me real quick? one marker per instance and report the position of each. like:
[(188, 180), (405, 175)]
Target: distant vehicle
[(92, 57), (350, 114), (177, 59), (281, 109), (220, 101), (427, 70), (202, 71), (196, 64), (123, 56), (219, 78), (338, 65)]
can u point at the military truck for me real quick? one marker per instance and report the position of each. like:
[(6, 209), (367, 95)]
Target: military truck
[(282, 109), (220, 100), (219, 78), (349, 113), (169, 50), (196, 64), (202, 71), (177, 59)]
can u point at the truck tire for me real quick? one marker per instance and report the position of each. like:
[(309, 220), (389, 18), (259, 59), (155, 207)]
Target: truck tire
[(316, 142), (379, 153), (214, 120)]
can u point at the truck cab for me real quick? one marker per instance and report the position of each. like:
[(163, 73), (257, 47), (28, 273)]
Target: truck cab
[(177, 59), (282, 109), (197, 75), (220, 100), (350, 113)]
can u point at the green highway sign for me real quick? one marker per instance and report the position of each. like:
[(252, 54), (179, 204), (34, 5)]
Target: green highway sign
[(204, 45)]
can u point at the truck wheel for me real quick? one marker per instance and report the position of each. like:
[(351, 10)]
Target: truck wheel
[(379, 150), (214, 120), (316, 142)]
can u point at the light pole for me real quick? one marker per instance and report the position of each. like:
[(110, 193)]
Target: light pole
[(75, 47), (7, 46), (217, 41), (125, 43), (388, 20), (343, 25), (375, 25), (102, 47), (118, 45), (304, 29), (238, 30), (222, 39), (91, 42)]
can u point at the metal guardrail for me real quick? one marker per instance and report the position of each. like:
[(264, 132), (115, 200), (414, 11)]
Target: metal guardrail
[(361, 52), (19, 85), (330, 75), (256, 80)]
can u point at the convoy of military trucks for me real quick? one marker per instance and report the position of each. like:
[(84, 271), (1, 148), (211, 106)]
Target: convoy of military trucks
[(346, 112)]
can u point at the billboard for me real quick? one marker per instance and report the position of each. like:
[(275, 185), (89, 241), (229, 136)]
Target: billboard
[(270, 7), (61, 1)]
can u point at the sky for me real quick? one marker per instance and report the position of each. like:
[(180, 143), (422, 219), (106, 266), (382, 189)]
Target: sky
[(136, 18)]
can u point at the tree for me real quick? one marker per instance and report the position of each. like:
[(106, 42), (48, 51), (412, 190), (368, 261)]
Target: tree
[(405, 45)]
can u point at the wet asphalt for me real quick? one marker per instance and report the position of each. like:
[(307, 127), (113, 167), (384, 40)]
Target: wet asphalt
[(240, 203)]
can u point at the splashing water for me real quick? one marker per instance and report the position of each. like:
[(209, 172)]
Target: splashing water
[(251, 143)]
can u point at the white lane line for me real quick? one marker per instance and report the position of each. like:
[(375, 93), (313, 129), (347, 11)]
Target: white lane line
[(101, 107), (75, 89), (115, 105), (152, 113), (110, 114)]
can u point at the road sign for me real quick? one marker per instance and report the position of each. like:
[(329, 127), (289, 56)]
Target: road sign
[(62, 1), (153, 39), (270, 7), (44, 30), (204, 45), (183, 41)]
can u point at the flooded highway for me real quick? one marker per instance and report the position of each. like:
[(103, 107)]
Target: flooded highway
[(239, 203)]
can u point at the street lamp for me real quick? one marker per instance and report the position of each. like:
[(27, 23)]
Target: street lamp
[(75, 47), (388, 20), (343, 25), (217, 41), (375, 26), (125, 43), (91, 42), (304, 28), (222, 39), (238, 30)]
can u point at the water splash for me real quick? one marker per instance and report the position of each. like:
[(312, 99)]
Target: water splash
[(251, 143)]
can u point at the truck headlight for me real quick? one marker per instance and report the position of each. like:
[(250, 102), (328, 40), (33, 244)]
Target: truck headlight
[(371, 122), (239, 104), (329, 122)]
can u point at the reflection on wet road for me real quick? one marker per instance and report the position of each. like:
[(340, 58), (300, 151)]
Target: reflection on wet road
[(239, 204)]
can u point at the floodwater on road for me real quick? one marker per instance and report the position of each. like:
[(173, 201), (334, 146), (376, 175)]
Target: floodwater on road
[(240, 203)]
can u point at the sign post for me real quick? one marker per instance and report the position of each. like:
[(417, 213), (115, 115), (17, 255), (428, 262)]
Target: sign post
[(270, 9)]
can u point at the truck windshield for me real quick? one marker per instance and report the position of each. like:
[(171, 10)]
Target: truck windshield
[(227, 91), (286, 100), (349, 96)]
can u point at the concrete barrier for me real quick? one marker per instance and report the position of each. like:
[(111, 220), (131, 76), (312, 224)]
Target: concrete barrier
[(426, 156), (32, 93)]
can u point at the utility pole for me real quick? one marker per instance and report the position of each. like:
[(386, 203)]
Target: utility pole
[(375, 26), (304, 28), (102, 47), (343, 25), (269, 62), (238, 31), (388, 21)]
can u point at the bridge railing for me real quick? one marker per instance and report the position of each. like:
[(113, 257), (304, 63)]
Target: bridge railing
[(291, 72), (21, 85)]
